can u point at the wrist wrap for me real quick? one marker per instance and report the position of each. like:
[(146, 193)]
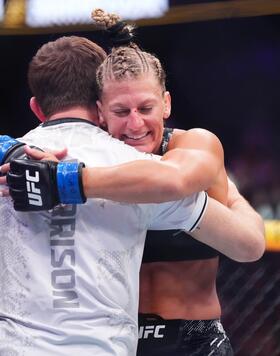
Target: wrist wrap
[(69, 183)]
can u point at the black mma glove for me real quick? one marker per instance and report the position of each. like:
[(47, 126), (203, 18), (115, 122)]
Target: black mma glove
[(41, 185)]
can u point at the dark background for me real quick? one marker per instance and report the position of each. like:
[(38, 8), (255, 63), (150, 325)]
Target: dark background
[(223, 75)]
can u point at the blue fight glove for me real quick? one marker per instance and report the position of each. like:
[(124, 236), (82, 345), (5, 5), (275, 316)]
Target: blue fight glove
[(10, 149)]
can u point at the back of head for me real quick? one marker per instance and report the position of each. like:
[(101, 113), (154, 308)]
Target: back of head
[(126, 59), (62, 74)]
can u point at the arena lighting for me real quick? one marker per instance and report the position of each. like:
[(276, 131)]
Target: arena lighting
[(71, 12)]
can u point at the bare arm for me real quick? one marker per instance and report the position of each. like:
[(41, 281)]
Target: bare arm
[(135, 182), (237, 231), (200, 155), (194, 162)]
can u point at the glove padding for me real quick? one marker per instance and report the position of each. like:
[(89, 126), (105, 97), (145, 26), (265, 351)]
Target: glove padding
[(42, 185)]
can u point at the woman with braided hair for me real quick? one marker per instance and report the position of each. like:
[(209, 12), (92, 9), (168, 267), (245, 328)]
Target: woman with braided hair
[(179, 312)]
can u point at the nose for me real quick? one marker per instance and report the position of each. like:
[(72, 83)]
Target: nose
[(135, 120)]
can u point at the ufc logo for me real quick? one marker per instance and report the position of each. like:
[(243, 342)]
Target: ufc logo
[(151, 330), (34, 194)]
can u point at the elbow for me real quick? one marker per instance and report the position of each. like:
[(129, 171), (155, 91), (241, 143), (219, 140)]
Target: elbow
[(259, 242), (255, 245), (254, 248), (255, 251)]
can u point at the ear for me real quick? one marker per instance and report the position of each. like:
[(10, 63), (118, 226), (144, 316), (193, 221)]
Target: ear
[(35, 107), (167, 105), (102, 121)]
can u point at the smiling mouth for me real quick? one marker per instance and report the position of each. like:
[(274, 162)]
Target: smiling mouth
[(135, 137)]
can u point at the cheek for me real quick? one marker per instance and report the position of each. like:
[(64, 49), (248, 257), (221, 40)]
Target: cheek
[(157, 127), (158, 133), (115, 127)]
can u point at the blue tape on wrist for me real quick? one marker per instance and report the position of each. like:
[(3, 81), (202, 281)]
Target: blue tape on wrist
[(6, 142), (68, 183)]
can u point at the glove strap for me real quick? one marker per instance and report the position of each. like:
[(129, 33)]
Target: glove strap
[(69, 183)]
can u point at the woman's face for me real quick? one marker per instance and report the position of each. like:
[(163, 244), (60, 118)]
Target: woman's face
[(133, 111)]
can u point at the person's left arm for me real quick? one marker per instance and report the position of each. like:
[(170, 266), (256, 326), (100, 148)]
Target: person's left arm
[(237, 230)]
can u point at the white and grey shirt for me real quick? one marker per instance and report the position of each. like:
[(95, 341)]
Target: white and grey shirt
[(69, 277)]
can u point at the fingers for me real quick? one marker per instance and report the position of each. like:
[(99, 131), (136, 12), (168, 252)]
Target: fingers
[(35, 154), (45, 156), (4, 192), (3, 180), (39, 155), (60, 154), (4, 169)]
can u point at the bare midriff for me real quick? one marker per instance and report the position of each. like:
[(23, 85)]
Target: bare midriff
[(180, 290)]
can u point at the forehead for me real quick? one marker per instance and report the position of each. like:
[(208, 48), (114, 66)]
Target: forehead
[(131, 89)]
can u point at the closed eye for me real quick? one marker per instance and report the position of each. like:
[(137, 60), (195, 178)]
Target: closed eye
[(145, 110), (122, 113)]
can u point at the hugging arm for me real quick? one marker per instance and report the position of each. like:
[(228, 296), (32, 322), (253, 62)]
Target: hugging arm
[(193, 163), (237, 230)]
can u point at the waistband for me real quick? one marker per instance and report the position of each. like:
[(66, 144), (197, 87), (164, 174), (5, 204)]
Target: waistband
[(153, 326)]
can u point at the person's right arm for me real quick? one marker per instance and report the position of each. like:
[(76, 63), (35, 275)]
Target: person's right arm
[(193, 163), (139, 181)]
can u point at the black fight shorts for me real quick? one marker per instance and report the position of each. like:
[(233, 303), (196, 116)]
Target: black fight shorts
[(160, 337)]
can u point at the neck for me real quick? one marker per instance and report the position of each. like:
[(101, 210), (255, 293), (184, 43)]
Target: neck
[(77, 112)]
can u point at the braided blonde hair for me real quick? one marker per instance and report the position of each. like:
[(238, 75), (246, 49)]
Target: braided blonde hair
[(104, 20), (126, 60)]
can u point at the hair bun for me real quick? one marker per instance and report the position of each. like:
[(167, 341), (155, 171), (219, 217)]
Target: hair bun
[(103, 19), (119, 32)]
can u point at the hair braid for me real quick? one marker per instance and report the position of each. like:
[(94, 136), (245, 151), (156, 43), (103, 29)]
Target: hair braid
[(126, 59)]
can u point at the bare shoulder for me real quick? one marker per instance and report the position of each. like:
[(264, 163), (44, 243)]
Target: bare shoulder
[(195, 138)]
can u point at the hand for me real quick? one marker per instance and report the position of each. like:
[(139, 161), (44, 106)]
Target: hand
[(4, 191), (41, 185), (21, 151), (55, 156)]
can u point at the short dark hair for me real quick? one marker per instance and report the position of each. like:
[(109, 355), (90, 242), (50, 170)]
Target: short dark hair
[(62, 74)]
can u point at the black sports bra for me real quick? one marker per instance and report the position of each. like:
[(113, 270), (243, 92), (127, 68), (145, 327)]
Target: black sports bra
[(174, 245)]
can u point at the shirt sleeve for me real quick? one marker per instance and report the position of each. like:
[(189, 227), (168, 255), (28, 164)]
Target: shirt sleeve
[(183, 214)]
